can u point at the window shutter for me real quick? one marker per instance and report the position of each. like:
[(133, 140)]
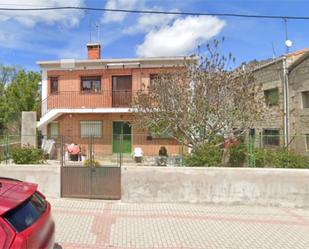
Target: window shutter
[(91, 128)]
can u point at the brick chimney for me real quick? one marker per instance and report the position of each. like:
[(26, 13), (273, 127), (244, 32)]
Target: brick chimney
[(94, 51)]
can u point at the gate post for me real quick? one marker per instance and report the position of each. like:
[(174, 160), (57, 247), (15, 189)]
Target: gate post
[(6, 148), (121, 148), (91, 152), (62, 153)]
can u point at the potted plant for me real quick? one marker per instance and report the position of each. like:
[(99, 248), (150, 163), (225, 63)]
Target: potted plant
[(162, 159)]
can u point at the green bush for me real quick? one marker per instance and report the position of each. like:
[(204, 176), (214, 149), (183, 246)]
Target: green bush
[(237, 155), (27, 155), (280, 158), (207, 154)]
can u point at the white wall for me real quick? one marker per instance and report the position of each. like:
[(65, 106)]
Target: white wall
[(47, 177), (285, 187)]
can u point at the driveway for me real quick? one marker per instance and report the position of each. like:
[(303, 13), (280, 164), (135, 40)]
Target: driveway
[(106, 224)]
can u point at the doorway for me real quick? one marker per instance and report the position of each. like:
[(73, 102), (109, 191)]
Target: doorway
[(122, 137)]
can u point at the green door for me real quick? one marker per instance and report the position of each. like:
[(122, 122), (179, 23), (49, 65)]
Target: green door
[(121, 137)]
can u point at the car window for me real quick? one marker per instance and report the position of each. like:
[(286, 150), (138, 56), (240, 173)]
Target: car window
[(27, 213)]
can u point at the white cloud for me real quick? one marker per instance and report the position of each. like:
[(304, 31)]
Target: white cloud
[(180, 38), (30, 18), (109, 17), (147, 22)]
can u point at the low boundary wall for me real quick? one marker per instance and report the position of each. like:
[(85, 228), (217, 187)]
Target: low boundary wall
[(47, 177), (282, 187), (247, 186)]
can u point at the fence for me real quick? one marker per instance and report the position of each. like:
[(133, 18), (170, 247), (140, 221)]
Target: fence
[(101, 150), (143, 149), (74, 99), (270, 151)]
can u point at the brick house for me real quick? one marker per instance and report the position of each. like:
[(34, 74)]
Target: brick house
[(92, 98), (269, 132)]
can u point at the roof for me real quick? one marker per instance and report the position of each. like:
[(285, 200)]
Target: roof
[(292, 58), (121, 62), (299, 60)]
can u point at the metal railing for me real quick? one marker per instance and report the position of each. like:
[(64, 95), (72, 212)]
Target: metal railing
[(117, 149), (86, 99)]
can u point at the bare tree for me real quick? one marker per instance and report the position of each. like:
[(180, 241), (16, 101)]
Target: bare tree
[(199, 100)]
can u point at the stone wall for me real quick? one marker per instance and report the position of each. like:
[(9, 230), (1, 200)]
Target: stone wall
[(299, 116), (270, 77)]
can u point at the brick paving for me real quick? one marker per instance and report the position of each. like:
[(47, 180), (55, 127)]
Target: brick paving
[(106, 224)]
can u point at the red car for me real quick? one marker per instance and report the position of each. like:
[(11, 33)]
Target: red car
[(25, 216)]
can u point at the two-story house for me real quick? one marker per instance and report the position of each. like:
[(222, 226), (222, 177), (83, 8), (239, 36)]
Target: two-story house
[(269, 132), (92, 98)]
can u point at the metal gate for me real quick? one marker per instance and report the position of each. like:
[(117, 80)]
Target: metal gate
[(88, 179)]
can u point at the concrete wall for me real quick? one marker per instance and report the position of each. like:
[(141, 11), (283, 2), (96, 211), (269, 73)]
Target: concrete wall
[(286, 187), (282, 187), (28, 129), (47, 177)]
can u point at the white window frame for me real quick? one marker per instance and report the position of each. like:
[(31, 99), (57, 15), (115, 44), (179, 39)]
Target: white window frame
[(307, 141), (54, 136), (305, 96)]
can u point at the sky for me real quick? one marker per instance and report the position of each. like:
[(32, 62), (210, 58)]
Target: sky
[(27, 37)]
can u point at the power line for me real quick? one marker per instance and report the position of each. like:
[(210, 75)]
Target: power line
[(157, 12)]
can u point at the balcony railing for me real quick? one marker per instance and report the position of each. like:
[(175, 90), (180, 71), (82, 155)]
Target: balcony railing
[(84, 100)]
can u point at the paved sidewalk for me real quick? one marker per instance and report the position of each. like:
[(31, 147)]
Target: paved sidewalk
[(104, 224)]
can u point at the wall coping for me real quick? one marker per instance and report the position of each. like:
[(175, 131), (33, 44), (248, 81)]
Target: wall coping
[(216, 169)]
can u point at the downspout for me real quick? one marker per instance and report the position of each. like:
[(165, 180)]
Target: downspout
[(286, 102)]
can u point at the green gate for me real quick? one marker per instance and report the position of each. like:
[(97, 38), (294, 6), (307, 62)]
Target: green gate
[(122, 137)]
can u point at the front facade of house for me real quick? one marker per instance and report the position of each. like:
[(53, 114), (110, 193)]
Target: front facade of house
[(83, 99), (269, 132)]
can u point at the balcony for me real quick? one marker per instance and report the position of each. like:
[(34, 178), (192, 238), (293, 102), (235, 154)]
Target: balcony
[(87, 100)]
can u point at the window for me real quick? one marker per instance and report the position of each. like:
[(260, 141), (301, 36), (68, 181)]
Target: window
[(272, 97), (53, 85), (54, 130), (252, 132), (91, 84), (90, 129), (152, 79), (24, 215), (305, 97), (307, 141), (122, 91), (122, 83), (271, 137)]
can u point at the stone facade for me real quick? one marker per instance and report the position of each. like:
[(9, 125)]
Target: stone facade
[(270, 76), (299, 115)]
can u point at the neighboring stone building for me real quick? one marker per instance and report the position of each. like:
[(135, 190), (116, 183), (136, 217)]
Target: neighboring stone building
[(269, 132), (299, 104)]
